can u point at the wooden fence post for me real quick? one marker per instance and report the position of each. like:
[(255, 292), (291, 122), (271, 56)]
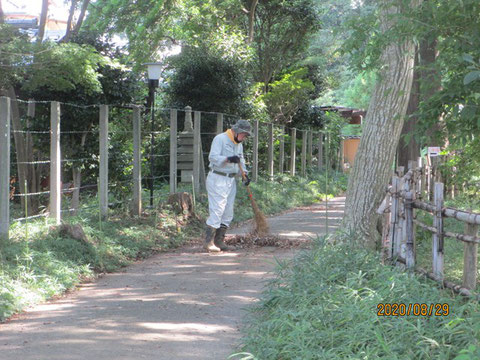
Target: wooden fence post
[(55, 163), (310, 148), (137, 161), (304, 153), (392, 251), (421, 178), (173, 150), (196, 150), (103, 172), (293, 152), (281, 160), (4, 169), (438, 237), (410, 246), (255, 151), (219, 123), (320, 151), (470, 258), (270, 151)]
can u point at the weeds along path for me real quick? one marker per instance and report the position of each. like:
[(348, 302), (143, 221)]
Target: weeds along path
[(183, 305)]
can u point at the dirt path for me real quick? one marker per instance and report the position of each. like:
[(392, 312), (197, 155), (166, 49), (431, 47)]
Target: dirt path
[(182, 305)]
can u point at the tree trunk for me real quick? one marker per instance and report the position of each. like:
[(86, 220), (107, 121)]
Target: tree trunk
[(43, 21), (409, 149), (71, 12), (83, 11), (2, 15), (383, 125), (251, 20)]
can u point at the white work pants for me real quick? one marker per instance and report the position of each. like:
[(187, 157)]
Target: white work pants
[(221, 196)]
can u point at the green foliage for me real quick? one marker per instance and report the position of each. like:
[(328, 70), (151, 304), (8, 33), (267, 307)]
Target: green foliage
[(287, 95), (324, 306), (205, 81)]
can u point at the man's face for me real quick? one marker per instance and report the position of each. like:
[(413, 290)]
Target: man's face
[(240, 137)]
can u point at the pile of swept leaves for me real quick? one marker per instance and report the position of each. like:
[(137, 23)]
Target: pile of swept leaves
[(323, 305)]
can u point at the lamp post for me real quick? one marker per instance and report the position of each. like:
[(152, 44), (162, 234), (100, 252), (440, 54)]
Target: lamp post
[(154, 71)]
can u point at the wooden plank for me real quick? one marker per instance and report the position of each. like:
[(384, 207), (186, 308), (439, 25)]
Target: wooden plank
[(137, 161), (399, 240), (410, 248), (185, 140), (393, 219), (293, 151), (103, 171), (281, 160), (255, 151), (470, 259), (5, 133), (55, 163), (438, 237), (173, 150)]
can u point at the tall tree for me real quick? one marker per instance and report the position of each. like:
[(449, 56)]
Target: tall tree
[(282, 33), (382, 128), (43, 21)]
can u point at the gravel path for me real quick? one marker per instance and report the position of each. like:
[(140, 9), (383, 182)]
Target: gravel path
[(184, 304)]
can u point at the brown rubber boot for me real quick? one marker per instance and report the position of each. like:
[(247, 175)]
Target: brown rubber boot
[(219, 236), (209, 244)]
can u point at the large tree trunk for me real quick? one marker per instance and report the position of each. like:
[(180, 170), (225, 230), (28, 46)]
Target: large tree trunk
[(408, 148), (43, 21), (383, 125)]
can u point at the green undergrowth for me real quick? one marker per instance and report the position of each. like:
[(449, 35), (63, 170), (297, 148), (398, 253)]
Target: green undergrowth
[(40, 261), (323, 305)]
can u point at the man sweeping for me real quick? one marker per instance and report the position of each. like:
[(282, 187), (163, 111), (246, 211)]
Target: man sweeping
[(226, 156)]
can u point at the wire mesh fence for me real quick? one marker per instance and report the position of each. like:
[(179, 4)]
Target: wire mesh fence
[(67, 159)]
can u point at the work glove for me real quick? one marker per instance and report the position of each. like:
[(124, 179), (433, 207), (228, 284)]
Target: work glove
[(233, 159), (246, 180)]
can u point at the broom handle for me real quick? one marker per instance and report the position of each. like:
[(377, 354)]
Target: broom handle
[(250, 195)]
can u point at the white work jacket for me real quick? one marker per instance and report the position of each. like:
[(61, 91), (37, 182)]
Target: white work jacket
[(222, 148)]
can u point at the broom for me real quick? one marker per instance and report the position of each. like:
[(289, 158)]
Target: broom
[(260, 220)]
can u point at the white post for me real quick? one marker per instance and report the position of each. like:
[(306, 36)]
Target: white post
[(4, 168), (320, 151), (310, 148), (137, 161), (255, 151), (437, 248), (173, 151), (281, 159), (219, 123), (270, 151), (196, 151), (103, 189), (293, 152), (304, 152), (55, 163)]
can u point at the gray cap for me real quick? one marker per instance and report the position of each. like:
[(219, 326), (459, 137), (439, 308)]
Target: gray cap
[(242, 126)]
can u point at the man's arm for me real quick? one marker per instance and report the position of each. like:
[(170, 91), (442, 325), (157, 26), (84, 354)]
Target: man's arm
[(214, 156), (242, 160)]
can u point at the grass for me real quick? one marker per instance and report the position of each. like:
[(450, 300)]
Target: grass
[(39, 262), (323, 305)]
